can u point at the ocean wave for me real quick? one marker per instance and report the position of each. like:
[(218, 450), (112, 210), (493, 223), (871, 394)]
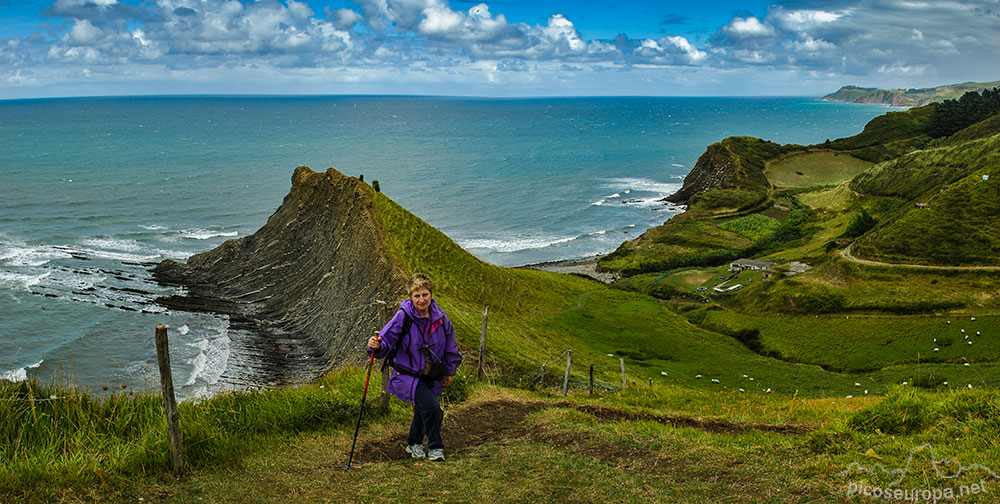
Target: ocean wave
[(153, 227), (212, 359), (205, 234), (116, 256), (514, 244), (17, 253), (20, 374), (21, 281), (642, 185), (534, 243), (125, 245)]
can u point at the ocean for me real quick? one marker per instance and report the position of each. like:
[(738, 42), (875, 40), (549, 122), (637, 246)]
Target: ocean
[(94, 190)]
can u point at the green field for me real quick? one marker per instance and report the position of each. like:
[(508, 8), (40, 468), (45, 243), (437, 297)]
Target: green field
[(815, 168), (859, 343), (753, 226)]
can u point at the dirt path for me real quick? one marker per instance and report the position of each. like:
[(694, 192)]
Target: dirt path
[(846, 254), (500, 420)]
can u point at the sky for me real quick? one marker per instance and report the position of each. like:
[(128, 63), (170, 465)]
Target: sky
[(504, 48)]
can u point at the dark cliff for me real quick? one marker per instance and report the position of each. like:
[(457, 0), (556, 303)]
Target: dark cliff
[(306, 283), (733, 163)]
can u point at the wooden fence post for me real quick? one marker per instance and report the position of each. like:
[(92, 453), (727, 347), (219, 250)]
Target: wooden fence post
[(169, 401), (541, 378), (386, 311), (591, 379), (569, 361), (623, 372), (482, 345)]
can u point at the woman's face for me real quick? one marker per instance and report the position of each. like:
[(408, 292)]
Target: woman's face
[(421, 298)]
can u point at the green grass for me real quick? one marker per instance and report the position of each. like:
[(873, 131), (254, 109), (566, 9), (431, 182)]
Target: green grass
[(75, 441), (834, 198), (559, 454), (814, 168), (861, 343), (959, 226), (888, 135), (752, 227)]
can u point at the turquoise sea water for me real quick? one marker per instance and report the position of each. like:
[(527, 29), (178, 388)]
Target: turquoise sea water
[(94, 190)]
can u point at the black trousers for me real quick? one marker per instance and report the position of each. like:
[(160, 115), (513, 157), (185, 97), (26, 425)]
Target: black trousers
[(427, 416)]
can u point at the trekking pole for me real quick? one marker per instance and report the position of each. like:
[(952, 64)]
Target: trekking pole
[(371, 362)]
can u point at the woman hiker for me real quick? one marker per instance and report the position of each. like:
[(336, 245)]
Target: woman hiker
[(423, 351)]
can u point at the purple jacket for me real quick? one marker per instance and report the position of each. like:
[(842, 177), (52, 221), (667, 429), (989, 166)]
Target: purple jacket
[(442, 339)]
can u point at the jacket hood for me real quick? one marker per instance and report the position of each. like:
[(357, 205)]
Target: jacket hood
[(434, 310)]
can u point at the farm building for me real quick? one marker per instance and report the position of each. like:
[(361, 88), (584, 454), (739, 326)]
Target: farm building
[(731, 288), (750, 264)]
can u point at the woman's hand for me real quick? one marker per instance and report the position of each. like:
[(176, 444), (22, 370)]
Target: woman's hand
[(446, 381), (375, 342)]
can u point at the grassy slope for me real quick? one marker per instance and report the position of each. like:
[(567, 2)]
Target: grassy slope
[(959, 225), (815, 168), (694, 237), (557, 454), (536, 315), (888, 136)]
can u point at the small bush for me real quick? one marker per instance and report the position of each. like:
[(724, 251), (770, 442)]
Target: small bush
[(860, 225)]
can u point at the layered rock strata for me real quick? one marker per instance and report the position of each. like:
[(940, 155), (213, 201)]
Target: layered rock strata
[(307, 284)]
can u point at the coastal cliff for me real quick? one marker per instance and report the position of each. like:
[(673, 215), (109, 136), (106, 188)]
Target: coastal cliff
[(306, 283), (735, 162)]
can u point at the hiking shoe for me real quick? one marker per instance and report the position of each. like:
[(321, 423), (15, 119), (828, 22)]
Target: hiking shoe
[(437, 455), (416, 451)]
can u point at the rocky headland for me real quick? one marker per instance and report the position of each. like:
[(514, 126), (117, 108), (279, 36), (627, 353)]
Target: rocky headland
[(306, 285)]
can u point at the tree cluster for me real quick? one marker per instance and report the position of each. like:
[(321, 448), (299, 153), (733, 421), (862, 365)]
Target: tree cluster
[(951, 116)]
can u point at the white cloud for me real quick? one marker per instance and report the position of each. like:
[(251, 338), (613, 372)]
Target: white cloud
[(428, 40), (84, 33), (749, 27), (669, 50)]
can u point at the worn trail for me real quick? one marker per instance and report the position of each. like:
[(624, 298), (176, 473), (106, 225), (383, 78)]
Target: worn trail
[(503, 420)]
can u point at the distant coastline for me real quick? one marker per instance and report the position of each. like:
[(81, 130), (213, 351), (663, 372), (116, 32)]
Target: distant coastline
[(912, 97)]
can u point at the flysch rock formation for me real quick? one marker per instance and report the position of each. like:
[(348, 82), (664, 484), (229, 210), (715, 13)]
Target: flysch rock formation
[(711, 171), (305, 287)]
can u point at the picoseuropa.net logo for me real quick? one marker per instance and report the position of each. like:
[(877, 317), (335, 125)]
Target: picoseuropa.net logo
[(923, 478)]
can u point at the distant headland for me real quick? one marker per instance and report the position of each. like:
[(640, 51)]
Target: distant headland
[(907, 97)]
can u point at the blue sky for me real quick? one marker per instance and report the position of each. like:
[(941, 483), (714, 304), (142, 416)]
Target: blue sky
[(503, 48)]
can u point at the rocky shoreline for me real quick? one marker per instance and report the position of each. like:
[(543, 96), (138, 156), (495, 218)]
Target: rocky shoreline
[(585, 267)]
